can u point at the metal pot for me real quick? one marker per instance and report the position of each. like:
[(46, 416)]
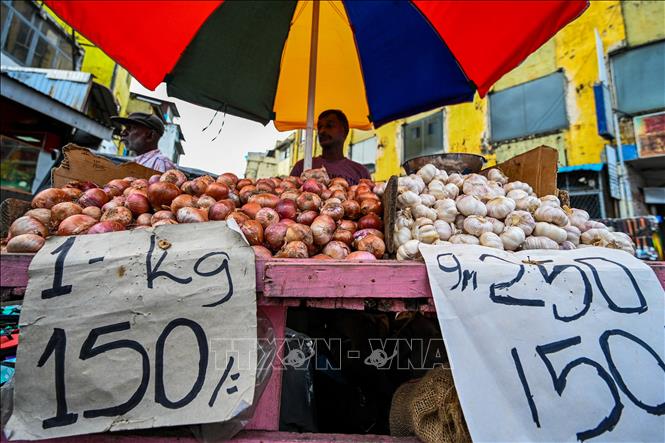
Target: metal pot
[(451, 162)]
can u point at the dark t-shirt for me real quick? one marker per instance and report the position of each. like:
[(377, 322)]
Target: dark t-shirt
[(345, 168)]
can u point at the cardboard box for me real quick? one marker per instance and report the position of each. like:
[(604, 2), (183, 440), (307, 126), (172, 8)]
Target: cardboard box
[(81, 164), (537, 167)]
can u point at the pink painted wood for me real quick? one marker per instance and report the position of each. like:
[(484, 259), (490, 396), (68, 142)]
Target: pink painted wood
[(14, 270)]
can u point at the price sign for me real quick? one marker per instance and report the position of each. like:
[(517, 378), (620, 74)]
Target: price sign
[(552, 345), (137, 329)]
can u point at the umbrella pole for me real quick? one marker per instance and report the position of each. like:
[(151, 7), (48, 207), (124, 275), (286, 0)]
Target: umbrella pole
[(313, 50)]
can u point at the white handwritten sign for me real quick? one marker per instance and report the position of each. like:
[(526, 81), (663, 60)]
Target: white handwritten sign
[(136, 329), (552, 345)]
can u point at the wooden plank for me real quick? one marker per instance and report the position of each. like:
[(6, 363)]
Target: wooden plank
[(342, 279), (14, 270), (293, 437)]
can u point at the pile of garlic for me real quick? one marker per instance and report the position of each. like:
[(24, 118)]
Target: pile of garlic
[(435, 207)]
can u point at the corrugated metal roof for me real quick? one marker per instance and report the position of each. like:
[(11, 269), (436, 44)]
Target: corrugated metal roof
[(68, 87), (586, 167)]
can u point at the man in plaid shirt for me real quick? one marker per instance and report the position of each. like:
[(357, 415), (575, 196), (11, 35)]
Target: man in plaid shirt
[(141, 134)]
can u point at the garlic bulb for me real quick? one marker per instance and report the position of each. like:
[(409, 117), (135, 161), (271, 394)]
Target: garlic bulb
[(464, 239), (407, 184), (518, 185), (423, 211), (573, 234), (517, 194), (427, 172), (500, 207), (496, 175), (622, 241), (404, 219), (529, 203), (512, 238), (456, 179), (494, 189), (550, 200), (476, 189), (437, 189), (567, 246), (442, 242), (491, 240), (408, 199), (470, 205), (402, 235), (497, 225), (450, 191), (551, 214), (446, 210), (443, 229), (441, 176), (459, 222), (596, 237), (409, 251), (522, 220), (476, 225), (577, 217), (592, 224), (539, 243), (424, 232), (419, 183), (427, 200), (548, 230)]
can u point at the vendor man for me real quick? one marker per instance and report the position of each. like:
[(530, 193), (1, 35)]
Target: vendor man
[(141, 133), (332, 128)]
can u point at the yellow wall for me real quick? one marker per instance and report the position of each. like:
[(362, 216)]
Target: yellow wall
[(645, 21)]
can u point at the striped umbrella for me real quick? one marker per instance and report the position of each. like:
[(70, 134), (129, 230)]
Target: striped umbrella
[(288, 60)]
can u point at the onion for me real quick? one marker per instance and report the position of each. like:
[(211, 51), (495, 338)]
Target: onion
[(253, 232), (299, 232), (371, 243), (251, 209), (358, 235), (173, 176), (182, 201), (161, 215), (287, 221), (154, 179), (76, 224), (291, 194), (42, 215), (333, 209), (336, 250), (161, 194), (234, 198), (229, 179), (361, 255), (343, 235), (49, 198), (25, 243), (347, 225), (116, 187), (144, 219), (27, 225), (218, 191), (366, 182), (82, 185), (265, 185), (351, 209), (368, 206), (92, 211), (326, 194), (340, 195), (274, 235), (137, 204), (238, 216), (195, 187), (188, 214), (311, 185), (73, 193), (165, 221), (93, 197), (113, 203), (323, 228), (308, 201), (323, 257), (205, 202), (135, 190), (307, 217), (220, 210), (261, 252), (106, 226), (267, 217), (63, 210), (265, 200), (120, 214), (246, 192), (339, 181), (140, 183), (244, 182), (286, 209), (294, 249), (370, 220)]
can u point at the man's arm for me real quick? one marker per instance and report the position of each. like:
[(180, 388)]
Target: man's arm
[(297, 169)]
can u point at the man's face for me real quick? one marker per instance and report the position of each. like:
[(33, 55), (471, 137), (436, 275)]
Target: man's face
[(331, 131), (137, 138)]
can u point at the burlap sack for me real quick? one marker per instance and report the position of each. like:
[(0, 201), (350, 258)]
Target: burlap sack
[(429, 408)]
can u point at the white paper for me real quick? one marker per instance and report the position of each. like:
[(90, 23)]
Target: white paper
[(490, 324), (164, 292)]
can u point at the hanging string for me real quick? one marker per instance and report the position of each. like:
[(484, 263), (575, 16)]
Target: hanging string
[(222, 126), (211, 120)]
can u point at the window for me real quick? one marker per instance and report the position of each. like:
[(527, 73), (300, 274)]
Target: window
[(18, 165), (639, 78), (364, 152), (424, 136), (536, 107), (31, 40)]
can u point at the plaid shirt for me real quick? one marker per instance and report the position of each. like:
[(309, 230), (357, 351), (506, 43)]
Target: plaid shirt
[(155, 160)]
